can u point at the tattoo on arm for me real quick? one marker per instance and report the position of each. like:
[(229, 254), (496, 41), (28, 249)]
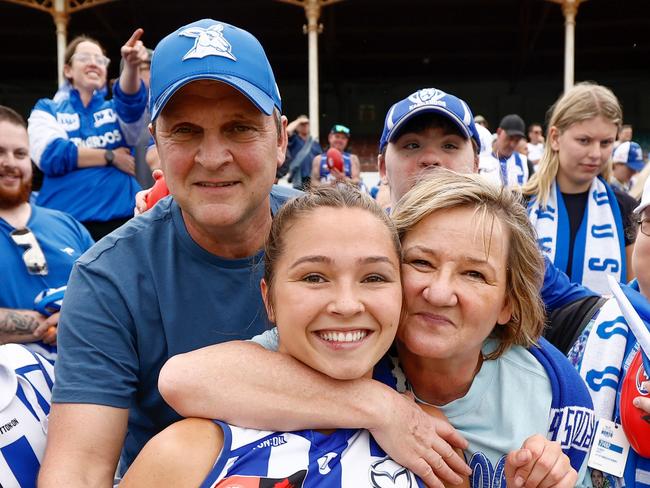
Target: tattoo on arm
[(16, 323)]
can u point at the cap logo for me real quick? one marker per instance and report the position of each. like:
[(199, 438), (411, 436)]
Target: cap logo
[(207, 42), (427, 96), (639, 153)]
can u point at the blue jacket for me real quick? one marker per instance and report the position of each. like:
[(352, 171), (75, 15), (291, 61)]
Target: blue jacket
[(59, 127)]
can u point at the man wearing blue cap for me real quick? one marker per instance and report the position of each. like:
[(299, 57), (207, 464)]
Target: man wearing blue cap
[(185, 274), (627, 161)]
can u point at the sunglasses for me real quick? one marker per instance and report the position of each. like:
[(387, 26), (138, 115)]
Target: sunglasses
[(340, 129), (33, 256)]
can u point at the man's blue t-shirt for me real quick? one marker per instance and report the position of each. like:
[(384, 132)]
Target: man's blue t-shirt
[(145, 293), (62, 240)]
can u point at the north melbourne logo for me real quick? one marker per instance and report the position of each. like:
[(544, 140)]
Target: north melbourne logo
[(428, 96), (208, 42)]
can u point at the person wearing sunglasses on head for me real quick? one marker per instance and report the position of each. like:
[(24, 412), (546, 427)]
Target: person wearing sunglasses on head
[(38, 247), (335, 165), (82, 142)]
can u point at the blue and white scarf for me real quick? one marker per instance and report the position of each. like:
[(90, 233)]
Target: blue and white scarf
[(511, 171), (599, 247), (602, 356)]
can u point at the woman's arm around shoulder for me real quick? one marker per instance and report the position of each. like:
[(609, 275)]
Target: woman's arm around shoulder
[(181, 455)]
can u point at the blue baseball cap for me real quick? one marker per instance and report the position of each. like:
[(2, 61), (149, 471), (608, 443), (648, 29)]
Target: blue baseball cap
[(424, 101), (629, 153), (212, 50)]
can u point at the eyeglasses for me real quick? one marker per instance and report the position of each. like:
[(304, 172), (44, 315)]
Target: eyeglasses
[(98, 59), (644, 226), (33, 256), (340, 129)]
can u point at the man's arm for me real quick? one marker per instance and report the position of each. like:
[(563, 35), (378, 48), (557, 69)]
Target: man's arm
[(315, 171), (355, 170), (21, 326), (91, 459), (268, 390)]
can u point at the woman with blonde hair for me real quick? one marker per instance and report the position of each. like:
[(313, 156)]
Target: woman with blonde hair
[(583, 225)]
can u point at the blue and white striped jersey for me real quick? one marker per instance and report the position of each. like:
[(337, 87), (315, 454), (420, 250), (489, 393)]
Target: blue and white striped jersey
[(26, 381), (347, 458)]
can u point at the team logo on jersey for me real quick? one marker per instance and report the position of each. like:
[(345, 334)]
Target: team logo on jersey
[(69, 122), (276, 441), (207, 42), (324, 462), (68, 250), (106, 116), (386, 473)]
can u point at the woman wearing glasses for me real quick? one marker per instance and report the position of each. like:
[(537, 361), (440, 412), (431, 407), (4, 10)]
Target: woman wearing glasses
[(82, 142)]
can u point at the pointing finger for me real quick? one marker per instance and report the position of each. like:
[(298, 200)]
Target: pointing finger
[(137, 34)]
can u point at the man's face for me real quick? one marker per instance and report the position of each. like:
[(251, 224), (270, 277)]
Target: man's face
[(535, 134), (413, 153), (505, 145), (622, 172), (15, 165), (338, 140), (219, 154), (303, 129)]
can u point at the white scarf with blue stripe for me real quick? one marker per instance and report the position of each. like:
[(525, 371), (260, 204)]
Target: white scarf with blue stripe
[(602, 356), (599, 247)]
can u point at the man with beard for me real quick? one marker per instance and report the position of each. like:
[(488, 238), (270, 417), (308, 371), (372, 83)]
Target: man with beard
[(38, 246)]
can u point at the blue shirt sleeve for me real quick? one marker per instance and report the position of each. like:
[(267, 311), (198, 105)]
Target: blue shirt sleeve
[(59, 158), (558, 290), (96, 362)]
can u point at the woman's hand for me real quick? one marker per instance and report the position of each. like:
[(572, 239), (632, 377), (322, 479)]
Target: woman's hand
[(124, 160), (422, 441), (539, 463)]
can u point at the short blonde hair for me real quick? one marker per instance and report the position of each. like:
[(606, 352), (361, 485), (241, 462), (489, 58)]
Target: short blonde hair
[(582, 102), (444, 189)]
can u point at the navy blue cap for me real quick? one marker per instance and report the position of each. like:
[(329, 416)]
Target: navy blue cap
[(212, 50), (429, 100)]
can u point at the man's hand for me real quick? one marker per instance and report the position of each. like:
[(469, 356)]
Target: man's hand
[(539, 463), (52, 322), (124, 161), (422, 443)]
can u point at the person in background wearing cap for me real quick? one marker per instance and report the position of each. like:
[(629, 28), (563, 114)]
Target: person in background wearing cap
[(322, 174), (624, 135), (38, 247), (183, 275), (585, 227), (535, 143), (426, 130), (504, 165), (82, 142), (301, 150), (627, 161)]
